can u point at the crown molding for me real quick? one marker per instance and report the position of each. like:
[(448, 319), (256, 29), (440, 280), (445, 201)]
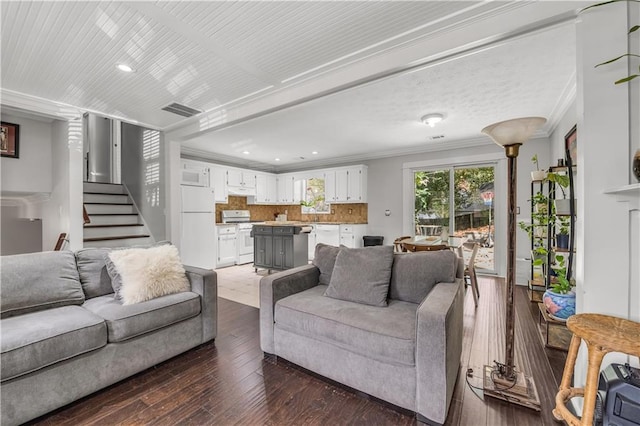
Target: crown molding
[(19, 199)]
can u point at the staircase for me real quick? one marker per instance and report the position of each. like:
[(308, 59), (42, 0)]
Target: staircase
[(113, 219)]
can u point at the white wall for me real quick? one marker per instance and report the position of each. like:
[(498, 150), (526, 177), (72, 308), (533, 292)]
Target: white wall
[(143, 171), (608, 226), (62, 212), (31, 172)]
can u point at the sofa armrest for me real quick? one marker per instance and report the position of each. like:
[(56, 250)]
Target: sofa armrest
[(278, 286), (205, 283), (438, 349)]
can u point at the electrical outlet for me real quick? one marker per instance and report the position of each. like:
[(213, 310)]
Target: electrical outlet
[(333, 211), (350, 211)]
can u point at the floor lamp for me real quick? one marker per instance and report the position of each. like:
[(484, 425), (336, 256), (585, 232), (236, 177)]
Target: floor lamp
[(503, 381)]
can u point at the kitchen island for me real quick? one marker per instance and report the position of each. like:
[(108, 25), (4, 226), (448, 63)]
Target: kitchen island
[(279, 246)]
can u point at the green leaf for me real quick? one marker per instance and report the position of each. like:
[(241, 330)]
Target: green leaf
[(634, 29), (624, 80), (600, 4), (615, 59)]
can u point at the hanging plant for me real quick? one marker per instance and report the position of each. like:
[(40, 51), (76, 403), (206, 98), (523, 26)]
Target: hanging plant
[(632, 30)]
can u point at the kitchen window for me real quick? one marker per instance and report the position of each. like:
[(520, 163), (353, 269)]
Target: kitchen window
[(313, 197)]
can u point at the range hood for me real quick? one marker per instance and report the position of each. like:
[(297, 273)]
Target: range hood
[(241, 190)]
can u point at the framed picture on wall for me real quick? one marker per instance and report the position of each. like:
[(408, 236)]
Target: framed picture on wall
[(571, 144), (9, 139)]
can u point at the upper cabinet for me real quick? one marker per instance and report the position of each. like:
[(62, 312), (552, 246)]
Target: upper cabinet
[(266, 189), (241, 182), (218, 176), (346, 185), (285, 189)]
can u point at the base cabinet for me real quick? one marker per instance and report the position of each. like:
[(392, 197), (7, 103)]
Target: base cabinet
[(279, 247)]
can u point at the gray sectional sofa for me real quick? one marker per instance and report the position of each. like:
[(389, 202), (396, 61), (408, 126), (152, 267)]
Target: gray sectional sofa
[(406, 353), (64, 336)]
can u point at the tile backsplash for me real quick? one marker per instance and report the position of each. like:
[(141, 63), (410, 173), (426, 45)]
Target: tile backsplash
[(340, 213)]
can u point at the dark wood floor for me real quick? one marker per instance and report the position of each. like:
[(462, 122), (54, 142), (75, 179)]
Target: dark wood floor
[(229, 382)]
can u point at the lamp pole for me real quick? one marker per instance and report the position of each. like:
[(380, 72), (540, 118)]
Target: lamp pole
[(512, 200)]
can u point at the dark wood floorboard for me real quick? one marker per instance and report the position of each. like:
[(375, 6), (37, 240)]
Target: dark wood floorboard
[(229, 382)]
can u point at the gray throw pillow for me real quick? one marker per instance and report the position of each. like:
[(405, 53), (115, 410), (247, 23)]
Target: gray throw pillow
[(324, 259), (414, 274), (362, 275)]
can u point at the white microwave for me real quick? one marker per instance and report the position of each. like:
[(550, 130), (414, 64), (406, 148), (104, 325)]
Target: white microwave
[(195, 177)]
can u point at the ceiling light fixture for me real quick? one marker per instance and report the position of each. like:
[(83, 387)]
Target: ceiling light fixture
[(246, 152), (124, 68), (432, 119), (276, 159), (314, 152)]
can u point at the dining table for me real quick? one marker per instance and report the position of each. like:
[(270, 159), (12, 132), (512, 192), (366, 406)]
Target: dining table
[(452, 243)]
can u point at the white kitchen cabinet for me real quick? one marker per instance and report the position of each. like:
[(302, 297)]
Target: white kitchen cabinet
[(351, 235), (218, 176), (226, 245), (241, 178), (346, 185), (266, 189), (285, 189)]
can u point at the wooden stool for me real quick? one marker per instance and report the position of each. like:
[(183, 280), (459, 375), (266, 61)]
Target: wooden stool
[(602, 334)]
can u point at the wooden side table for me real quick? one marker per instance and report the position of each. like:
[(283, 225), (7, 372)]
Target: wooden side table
[(602, 334)]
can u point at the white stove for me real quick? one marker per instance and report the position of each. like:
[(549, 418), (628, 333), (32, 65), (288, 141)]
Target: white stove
[(244, 240)]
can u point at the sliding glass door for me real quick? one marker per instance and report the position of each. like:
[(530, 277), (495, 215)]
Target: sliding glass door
[(458, 200)]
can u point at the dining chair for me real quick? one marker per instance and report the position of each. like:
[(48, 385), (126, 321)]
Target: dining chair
[(397, 244), (470, 277)]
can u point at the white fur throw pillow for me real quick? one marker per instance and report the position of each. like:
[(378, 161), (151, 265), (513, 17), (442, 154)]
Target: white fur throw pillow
[(146, 273)]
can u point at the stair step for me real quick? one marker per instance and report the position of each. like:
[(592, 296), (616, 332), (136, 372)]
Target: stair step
[(110, 188), (113, 230), (113, 219), (120, 243), (112, 225), (109, 208), (116, 237), (102, 198)]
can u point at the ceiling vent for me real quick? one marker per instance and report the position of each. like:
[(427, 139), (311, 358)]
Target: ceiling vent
[(436, 137), (182, 110)]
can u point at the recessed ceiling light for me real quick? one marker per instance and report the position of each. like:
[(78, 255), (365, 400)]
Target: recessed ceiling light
[(314, 152), (246, 152), (124, 68), (276, 159), (432, 119)]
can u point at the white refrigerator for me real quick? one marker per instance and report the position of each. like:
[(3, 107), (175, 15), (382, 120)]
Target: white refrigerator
[(198, 227)]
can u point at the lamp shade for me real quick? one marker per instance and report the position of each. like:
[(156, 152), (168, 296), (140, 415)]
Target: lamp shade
[(515, 131)]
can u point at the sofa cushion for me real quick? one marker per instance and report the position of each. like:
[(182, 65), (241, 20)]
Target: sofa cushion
[(362, 275), (93, 272), (37, 281), (413, 275), (324, 259), (386, 334), (139, 274), (35, 340), (128, 321)]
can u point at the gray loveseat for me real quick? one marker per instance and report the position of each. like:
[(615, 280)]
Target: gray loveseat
[(64, 336), (406, 353)]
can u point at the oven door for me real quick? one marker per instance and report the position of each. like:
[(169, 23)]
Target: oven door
[(244, 243)]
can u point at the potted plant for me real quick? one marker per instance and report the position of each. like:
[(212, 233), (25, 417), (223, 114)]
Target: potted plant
[(537, 174), (560, 298), (562, 236), (562, 205)]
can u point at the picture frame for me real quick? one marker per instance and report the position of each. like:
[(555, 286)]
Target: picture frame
[(571, 145), (9, 140)]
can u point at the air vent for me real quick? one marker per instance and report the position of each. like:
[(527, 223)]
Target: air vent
[(182, 110), (436, 137)]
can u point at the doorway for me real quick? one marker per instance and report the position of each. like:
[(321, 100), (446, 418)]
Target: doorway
[(458, 200)]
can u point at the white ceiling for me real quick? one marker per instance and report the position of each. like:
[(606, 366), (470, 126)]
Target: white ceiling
[(213, 56)]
